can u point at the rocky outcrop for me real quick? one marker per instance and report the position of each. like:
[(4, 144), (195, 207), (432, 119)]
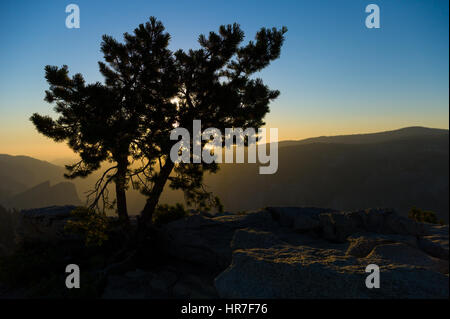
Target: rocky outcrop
[(205, 241), (435, 242), (295, 252), (299, 218), (362, 244), (277, 253), (338, 226), (403, 254), (268, 264), (285, 271), (168, 283), (43, 224)]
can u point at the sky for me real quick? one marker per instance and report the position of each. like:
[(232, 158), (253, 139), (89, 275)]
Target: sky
[(335, 75)]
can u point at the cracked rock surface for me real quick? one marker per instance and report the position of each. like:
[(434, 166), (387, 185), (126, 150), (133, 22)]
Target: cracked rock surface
[(295, 252)]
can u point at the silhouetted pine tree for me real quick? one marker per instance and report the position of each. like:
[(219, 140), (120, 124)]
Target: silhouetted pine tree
[(215, 86), (148, 91), (104, 122)]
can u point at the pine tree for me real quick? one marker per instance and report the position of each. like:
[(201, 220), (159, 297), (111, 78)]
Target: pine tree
[(103, 122), (150, 90), (215, 86)]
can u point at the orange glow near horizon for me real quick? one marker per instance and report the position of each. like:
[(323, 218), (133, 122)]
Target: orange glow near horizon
[(26, 141)]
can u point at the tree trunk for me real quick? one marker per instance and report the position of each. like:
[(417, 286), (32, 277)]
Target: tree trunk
[(152, 201), (121, 197)]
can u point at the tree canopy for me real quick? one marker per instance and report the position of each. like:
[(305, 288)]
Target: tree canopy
[(149, 90)]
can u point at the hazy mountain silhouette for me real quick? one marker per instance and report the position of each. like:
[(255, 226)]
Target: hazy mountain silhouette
[(379, 137), (26, 182), (397, 169), (44, 195), (9, 186), (28, 171)]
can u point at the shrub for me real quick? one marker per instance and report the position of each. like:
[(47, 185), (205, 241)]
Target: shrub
[(38, 270), (91, 225), (6, 230), (422, 216)]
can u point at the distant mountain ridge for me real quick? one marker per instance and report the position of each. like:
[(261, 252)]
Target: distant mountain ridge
[(379, 137), (397, 169), (44, 195), (29, 171), (26, 182)]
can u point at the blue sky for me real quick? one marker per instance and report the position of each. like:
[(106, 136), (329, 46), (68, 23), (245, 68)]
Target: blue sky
[(335, 75)]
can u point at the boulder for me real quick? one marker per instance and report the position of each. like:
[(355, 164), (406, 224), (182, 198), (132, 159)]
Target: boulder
[(303, 223), (308, 253), (301, 219), (43, 224), (396, 224), (249, 238), (142, 284), (303, 272), (400, 253), (191, 286), (337, 226), (206, 241), (132, 285), (435, 242), (362, 244)]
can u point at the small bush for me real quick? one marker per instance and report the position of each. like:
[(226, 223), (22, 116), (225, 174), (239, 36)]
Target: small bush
[(422, 216), (165, 214), (6, 231), (93, 226), (37, 270)]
